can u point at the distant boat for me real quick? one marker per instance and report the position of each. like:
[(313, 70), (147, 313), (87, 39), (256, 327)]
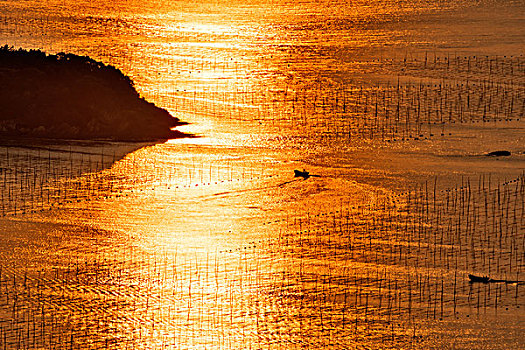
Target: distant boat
[(304, 174), (484, 279), (498, 154)]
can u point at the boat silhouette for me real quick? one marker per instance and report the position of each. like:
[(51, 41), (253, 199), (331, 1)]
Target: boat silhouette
[(487, 279), (304, 174), (481, 279)]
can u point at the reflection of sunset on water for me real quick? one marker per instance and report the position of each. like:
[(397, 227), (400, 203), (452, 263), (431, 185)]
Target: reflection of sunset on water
[(210, 242)]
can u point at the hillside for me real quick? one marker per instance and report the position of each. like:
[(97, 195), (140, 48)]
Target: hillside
[(66, 96)]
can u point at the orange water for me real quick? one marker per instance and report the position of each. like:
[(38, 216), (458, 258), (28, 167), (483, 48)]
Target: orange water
[(211, 242)]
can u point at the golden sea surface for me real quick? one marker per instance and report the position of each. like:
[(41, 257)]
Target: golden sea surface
[(211, 242)]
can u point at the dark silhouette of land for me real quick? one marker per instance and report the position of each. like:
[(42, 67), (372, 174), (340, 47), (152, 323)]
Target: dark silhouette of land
[(65, 96)]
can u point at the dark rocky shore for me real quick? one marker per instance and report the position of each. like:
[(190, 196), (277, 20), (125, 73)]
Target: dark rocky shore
[(65, 96)]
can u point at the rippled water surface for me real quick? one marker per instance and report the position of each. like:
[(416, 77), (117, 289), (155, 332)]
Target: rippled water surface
[(212, 243)]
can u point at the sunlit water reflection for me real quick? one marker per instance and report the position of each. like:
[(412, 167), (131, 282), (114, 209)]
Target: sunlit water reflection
[(211, 242)]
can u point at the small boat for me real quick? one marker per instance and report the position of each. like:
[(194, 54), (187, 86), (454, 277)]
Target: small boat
[(304, 174), (498, 154), (486, 279), (481, 279)]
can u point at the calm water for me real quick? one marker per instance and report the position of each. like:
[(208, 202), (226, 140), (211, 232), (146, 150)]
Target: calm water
[(211, 243)]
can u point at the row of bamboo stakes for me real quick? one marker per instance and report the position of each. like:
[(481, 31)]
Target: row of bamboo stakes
[(360, 275), (356, 274), (48, 178)]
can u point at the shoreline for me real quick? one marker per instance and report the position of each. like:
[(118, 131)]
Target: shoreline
[(71, 97)]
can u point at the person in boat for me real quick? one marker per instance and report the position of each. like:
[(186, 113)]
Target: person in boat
[(482, 279), (304, 174)]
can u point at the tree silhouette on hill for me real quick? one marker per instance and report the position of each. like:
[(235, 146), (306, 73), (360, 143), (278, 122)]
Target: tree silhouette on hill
[(74, 97)]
